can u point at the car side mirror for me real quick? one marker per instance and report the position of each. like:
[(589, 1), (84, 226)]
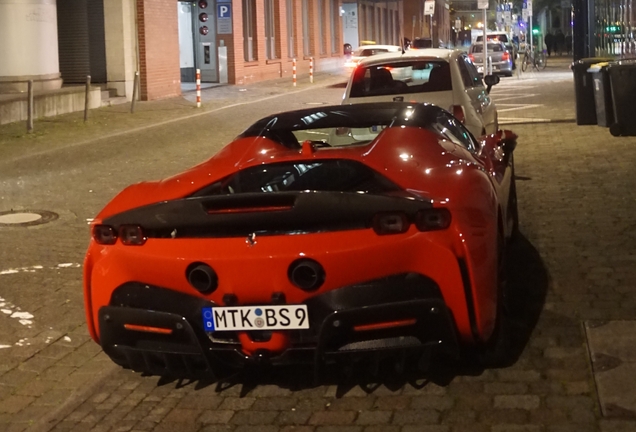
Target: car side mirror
[(490, 81), (508, 141)]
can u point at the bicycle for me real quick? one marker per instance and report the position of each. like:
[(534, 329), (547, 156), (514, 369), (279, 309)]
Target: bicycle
[(536, 58)]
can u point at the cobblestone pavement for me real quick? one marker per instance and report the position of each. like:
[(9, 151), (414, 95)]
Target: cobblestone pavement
[(575, 263)]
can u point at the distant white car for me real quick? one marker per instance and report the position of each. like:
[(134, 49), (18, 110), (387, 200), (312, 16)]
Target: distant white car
[(367, 51), (447, 78), (502, 37)]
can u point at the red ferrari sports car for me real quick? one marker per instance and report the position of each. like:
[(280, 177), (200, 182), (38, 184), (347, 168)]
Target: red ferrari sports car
[(318, 235)]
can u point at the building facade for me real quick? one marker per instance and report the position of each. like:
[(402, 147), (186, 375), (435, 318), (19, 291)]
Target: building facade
[(231, 41)]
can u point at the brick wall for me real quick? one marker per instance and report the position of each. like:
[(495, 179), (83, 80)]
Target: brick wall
[(242, 72), (158, 49), (159, 45)]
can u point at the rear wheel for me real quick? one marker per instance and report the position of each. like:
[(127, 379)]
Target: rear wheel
[(496, 351), (524, 63), (513, 211), (542, 61)]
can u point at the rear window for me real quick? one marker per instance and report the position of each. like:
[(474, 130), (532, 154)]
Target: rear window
[(334, 175), (403, 77), (422, 43), (494, 37), (491, 48), (370, 52)]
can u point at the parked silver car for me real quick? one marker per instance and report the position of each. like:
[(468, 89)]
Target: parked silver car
[(501, 58)]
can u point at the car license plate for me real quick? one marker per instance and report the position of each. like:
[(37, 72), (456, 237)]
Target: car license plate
[(480, 69), (241, 318)]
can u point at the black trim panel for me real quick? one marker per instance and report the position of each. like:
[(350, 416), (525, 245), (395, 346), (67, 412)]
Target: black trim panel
[(334, 317), (311, 212)]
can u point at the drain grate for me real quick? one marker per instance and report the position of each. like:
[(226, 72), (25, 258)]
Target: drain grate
[(25, 218)]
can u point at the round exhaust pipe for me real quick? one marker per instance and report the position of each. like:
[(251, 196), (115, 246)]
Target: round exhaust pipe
[(202, 277), (306, 274)]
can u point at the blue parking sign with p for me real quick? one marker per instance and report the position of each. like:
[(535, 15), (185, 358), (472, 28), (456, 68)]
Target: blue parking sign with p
[(224, 10)]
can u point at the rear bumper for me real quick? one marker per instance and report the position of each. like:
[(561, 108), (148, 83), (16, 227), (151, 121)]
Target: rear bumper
[(497, 67), (159, 331)]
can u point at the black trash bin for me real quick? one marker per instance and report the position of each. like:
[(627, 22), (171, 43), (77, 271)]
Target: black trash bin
[(622, 76), (584, 90), (602, 95)]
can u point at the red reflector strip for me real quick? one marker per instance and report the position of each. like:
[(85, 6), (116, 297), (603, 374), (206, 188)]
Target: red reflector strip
[(147, 329), (248, 209), (385, 325)]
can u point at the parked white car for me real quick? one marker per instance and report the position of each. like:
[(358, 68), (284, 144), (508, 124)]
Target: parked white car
[(367, 51), (443, 77), (502, 37)]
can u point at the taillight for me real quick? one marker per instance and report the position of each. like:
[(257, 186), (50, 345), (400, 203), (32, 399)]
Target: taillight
[(390, 223), (132, 235), (433, 219), (505, 56), (104, 234), (458, 112)]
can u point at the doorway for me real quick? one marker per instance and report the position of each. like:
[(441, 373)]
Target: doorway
[(197, 42), (186, 42)]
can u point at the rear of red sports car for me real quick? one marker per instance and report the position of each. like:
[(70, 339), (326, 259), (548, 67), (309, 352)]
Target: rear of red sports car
[(280, 251)]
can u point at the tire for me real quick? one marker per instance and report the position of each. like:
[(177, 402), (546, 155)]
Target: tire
[(496, 351), (524, 63), (513, 210), (542, 61)]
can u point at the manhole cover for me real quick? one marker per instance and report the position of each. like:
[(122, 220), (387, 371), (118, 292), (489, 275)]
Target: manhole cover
[(26, 217)]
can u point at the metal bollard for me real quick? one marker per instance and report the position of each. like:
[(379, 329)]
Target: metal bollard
[(30, 107), (198, 88), (294, 71), (135, 92), (88, 90)]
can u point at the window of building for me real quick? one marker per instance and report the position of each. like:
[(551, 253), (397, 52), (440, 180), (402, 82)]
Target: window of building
[(376, 24), (306, 41), (390, 26), (270, 29), (321, 27), (363, 21), (291, 45), (334, 13), (249, 29), (398, 32)]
